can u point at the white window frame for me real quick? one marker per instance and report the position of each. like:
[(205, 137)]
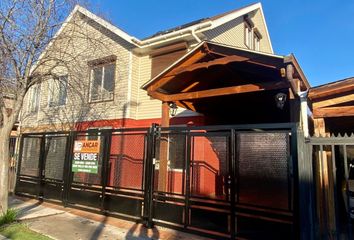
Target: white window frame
[(51, 92), (248, 35), (103, 66), (34, 98), (256, 41)]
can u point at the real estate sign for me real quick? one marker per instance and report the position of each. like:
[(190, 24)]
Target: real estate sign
[(86, 156)]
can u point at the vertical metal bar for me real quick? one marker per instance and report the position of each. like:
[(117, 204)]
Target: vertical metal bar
[(346, 170), (232, 173), (296, 196), (105, 161), (69, 173), (187, 172), (66, 168), (152, 173), (335, 197), (19, 160), (313, 220), (146, 175), (41, 167), (325, 199)]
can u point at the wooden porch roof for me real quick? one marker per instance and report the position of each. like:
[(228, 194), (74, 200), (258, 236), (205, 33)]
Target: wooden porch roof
[(334, 99), (214, 70)]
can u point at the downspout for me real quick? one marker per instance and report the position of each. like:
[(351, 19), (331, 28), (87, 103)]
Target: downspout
[(304, 117), (195, 35)]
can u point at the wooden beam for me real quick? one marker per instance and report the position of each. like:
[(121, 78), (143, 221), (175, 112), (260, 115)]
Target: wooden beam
[(219, 91), (333, 101), (333, 112), (165, 122), (188, 105), (190, 86), (326, 91), (320, 127), (218, 61), (190, 60)]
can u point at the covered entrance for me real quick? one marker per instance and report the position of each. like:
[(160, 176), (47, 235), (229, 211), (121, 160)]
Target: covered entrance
[(253, 192), (230, 85)]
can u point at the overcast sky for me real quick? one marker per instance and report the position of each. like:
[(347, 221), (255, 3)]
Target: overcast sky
[(319, 33)]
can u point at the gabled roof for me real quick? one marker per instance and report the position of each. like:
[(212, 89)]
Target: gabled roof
[(204, 20), (201, 45), (332, 88), (178, 32)]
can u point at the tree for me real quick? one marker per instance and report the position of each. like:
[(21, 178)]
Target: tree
[(31, 53)]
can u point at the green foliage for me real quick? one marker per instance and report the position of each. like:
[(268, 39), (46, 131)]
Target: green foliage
[(8, 217), (19, 231)]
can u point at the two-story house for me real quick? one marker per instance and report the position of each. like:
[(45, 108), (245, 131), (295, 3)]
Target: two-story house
[(101, 87)]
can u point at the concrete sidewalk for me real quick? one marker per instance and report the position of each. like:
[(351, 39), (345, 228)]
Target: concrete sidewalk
[(3, 238), (62, 223)]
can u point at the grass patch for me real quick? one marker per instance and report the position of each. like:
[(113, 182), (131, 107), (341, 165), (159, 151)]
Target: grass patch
[(8, 217), (18, 231)]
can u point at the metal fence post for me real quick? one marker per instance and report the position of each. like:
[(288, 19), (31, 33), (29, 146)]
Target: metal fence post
[(148, 176), (232, 160), (41, 167), (187, 169), (67, 167), (105, 161), (19, 161), (306, 208)]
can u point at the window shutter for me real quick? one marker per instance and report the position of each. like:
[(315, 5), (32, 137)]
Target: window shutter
[(163, 58)]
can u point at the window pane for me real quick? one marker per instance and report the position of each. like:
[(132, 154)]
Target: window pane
[(96, 84), (35, 93), (108, 84), (63, 83)]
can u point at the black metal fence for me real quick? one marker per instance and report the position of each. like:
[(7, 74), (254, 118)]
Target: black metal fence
[(12, 164), (226, 181), (333, 178)]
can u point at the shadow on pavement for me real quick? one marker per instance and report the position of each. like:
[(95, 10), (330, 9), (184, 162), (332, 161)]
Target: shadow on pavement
[(97, 233), (143, 233)]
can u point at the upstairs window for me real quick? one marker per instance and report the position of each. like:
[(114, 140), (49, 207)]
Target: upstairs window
[(248, 35), (33, 102), (102, 82), (252, 35), (256, 39), (58, 91), (256, 42)]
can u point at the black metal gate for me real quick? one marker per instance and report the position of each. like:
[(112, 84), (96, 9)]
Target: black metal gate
[(226, 181)]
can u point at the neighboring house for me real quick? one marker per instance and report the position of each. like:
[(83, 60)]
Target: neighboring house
[(108, 79), (333, 107)]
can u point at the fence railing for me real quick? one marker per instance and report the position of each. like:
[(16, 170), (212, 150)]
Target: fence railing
[(333, 183), (223, 180)]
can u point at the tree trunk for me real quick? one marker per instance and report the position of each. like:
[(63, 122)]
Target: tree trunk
[(5, 132)]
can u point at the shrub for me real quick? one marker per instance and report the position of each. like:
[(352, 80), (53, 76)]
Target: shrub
[(8, 217)]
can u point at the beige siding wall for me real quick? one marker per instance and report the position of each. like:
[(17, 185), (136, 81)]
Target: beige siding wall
[(146, 107), (90, 43), (260, 25), (230, 33), (233, 32), (135, 86)]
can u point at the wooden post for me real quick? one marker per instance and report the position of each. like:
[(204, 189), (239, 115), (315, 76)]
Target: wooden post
[(165, 122), (325, 191)]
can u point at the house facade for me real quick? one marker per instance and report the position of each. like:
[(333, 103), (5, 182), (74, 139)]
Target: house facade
[(100, 86)]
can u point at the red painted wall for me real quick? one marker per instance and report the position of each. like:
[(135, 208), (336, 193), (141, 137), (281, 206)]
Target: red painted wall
[(208, 172)]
